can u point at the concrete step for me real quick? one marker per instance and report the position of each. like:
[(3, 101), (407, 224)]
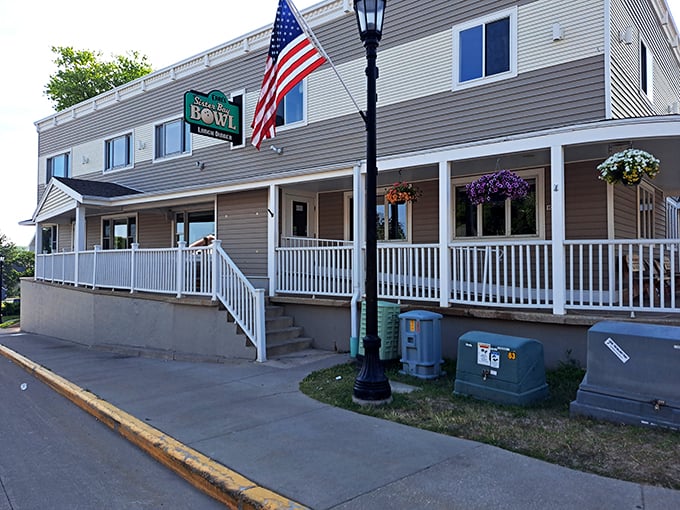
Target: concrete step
[(281, 347), (283, 334), (272, 311), (281, 322)]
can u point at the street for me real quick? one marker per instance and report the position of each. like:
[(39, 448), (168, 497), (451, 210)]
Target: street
[(54, 455)]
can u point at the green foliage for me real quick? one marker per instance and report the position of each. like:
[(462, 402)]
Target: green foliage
[(18, 263), (83, 74)]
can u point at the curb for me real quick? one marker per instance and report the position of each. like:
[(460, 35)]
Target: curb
[(216, 480)]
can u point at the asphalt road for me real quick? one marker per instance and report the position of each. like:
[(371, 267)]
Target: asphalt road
[(54, 455)]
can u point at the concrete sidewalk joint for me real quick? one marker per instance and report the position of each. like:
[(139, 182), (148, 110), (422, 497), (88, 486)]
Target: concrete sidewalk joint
[(213, 478)]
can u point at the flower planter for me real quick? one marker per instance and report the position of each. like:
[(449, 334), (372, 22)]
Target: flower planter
[(628, 167)]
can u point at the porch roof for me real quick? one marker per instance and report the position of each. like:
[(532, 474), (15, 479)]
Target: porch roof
[(65, 194)]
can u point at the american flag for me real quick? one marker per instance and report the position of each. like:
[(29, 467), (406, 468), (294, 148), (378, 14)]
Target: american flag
[(292, 56)]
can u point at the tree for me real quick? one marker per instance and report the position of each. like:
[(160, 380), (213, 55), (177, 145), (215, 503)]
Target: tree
[(19, 262), (83, 74)]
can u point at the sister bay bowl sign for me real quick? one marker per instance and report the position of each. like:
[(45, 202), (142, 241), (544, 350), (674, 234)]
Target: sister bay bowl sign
[(213, 115)]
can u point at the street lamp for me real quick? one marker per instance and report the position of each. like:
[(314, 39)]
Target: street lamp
[(2, 264), (371, 386)]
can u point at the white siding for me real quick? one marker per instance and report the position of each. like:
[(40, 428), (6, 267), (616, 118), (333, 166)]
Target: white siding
[(93, 152), (56, 203), (581, 20)]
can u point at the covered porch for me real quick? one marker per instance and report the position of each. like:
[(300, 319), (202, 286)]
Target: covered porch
[(595, 247)]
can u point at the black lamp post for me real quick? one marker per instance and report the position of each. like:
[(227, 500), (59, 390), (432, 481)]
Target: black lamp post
[(371, 386), (2, 264)]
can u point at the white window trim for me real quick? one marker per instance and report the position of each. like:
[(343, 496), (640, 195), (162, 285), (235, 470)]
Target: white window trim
[(348, 195), (533, 173), (132, 153), (300, 123), (648, 189), (117, 216), (511, 73), (50, 156), (242, 93), (650, 70), (155, 142)]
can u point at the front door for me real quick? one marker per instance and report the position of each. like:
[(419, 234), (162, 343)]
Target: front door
[(300, 216)]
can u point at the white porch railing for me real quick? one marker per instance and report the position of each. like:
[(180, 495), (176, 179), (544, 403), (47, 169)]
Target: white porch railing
[(635, 275), (200, 271), (408, 271), (314, 270), (504, 273)]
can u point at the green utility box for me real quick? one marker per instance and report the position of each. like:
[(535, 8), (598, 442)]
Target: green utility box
[(388, 329), (500, 368)]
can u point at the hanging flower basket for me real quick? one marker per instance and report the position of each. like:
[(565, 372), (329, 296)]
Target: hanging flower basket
[(628, 167), (402, 192), (497, 187)]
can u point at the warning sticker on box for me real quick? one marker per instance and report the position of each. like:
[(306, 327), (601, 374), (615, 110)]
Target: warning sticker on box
[(495, 359), (614, 347), (483, 354)]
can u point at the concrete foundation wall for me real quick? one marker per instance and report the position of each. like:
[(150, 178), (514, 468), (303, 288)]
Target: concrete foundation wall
[(168, 326), (328, 322)]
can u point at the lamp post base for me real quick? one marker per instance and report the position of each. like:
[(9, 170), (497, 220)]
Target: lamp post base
[(371, 387)]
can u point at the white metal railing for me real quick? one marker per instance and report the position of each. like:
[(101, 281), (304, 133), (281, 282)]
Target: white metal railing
[(408, 271), (310, 242), (202, 271), (502, 273), (244, 302), (317, 271), (635, 274)]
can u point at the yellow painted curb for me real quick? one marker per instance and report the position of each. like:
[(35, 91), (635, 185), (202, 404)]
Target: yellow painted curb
[(211, 477)]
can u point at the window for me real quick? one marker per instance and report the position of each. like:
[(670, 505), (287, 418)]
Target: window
[(486, 49), (192, 226), (49, 239), (58, 166), (645, 211), (172, 138), (118, 152), (119, 233), (506, 218), (291, 109), (646, 71), (395, 228)]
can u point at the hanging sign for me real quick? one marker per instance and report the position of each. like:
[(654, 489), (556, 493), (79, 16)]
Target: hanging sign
[(214, 115)]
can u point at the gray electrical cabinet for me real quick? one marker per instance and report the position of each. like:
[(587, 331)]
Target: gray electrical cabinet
[(500, 368), (633, 375), (421, 343)]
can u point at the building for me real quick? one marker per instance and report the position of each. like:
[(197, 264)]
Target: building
[(541, 88)]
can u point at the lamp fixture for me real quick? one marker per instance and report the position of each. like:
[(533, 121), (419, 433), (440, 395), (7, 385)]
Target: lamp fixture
[(200, 165), (278, 150), (557, 32), (626, 35)]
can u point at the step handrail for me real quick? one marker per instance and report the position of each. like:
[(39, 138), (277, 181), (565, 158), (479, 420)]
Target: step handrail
[(243, 301)]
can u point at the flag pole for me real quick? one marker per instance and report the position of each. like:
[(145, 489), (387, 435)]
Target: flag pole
[(307, 29)]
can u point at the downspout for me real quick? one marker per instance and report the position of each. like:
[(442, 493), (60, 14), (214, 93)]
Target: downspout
[(357, 269)]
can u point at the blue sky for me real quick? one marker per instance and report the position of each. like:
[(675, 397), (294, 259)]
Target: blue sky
[(165, 35)]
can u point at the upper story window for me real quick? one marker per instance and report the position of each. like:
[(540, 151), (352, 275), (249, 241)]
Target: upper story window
[(291, 109), (646, 71), (119, 233), (118, 152), (58, 166), (172, 138), (503, 218), (485, 49)]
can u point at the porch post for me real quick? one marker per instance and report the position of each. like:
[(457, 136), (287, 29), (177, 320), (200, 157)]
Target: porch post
[(133, 268), (97, 249), (444, 233), (39, 272), (79, 240), (357, 269), (272, 237), (179, 269), (558, 229), (216, 270)]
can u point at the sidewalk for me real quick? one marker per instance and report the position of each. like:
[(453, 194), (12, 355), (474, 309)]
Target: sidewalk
[(295, 452)]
